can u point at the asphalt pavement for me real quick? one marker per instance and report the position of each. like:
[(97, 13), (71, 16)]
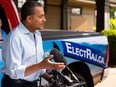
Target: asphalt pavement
[(110, 81)]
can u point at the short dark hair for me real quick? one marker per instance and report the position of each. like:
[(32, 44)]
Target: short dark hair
[(29, 9)]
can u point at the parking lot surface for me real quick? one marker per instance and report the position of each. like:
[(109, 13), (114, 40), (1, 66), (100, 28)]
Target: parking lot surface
[(110, 81)]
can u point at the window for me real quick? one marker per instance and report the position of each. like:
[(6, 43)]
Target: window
[(42, 2), (20, 3), (76, 11)]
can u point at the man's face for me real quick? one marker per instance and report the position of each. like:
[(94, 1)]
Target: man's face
[(38, 19)]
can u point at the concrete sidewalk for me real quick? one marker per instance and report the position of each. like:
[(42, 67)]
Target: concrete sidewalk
[(110, 81)]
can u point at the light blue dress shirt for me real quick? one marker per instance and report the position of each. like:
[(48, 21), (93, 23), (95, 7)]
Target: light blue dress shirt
[(20, 49)]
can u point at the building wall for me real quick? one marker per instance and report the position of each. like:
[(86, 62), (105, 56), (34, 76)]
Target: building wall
[(83, 22), (114, 1), (53, 14)]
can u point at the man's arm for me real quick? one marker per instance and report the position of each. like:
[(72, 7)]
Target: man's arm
[(45, 64)]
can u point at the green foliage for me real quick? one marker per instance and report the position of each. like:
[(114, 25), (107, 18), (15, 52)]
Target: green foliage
[(112, 23), (111, 34), (112, 11)]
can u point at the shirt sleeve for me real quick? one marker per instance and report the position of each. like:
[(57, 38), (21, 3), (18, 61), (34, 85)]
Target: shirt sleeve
[(13, 58), (42, 71)]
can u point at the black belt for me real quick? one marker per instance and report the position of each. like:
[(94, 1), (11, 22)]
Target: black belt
[(19, 81)]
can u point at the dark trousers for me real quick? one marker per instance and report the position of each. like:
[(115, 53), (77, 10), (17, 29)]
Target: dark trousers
[(8, 82)]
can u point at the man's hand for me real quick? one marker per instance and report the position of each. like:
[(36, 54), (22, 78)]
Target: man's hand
[(48, 64), (45, 64)]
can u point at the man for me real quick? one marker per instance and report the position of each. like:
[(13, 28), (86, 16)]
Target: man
[(22, 50)]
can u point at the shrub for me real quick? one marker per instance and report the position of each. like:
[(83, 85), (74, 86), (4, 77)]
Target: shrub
[(112, 23), (111, 34)]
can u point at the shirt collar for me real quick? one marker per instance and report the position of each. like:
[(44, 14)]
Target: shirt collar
[(37, 31), (24, 30)]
